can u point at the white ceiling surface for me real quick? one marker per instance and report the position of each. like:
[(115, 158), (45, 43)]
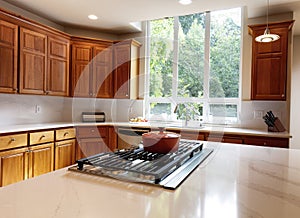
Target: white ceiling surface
[(115, 15)]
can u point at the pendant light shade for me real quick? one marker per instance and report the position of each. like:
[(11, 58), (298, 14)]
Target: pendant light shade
[(267, 36)]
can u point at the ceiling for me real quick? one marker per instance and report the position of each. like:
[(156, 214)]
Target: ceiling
[(115, 16)]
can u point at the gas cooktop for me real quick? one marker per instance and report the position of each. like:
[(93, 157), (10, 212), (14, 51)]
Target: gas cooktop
[(136, 165)]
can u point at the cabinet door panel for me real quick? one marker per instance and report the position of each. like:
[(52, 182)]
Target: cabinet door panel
[(122, 60), (41, 159), (81, 67), (58, 67), (102, 72), (64, 153), (91, 146), (33, 52), (13, 166), (8, 57)]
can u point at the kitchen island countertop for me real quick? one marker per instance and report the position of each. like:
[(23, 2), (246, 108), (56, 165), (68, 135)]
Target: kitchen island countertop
[(236, 181), (205, 128)]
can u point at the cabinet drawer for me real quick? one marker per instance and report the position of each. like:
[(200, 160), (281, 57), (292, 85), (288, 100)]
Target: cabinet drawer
[(92, 132), (62, 134), (13, 141), (41, 137)]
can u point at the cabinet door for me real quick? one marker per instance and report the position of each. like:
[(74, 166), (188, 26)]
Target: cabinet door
[(13, 166), (122, 61), (64, 153), (81, 68), (41, 159), (269, 63), (8, 57), (102, 72), (58, 67), (90, 146), (33, 50), (266, 141)]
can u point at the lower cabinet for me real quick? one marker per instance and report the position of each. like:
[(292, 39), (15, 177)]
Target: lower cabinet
[(225, 139), (41, 159), (23, 163), (64, 147), (64, 153), (267, 141), (13, 165)]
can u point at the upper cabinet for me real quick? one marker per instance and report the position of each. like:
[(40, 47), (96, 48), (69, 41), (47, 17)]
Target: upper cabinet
[(91, 69), (269, 62), (126, 69), (33, 51), (44, 63), (8, 57)]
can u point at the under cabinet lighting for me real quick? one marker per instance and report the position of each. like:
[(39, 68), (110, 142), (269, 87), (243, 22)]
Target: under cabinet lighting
[(93, 17)]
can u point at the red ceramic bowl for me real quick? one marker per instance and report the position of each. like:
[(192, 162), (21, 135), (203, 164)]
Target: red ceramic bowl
[(160, 142)]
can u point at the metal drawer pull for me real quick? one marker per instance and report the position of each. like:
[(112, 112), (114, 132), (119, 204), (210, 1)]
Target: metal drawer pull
[(12, 140), (43, 136), (66, 133)]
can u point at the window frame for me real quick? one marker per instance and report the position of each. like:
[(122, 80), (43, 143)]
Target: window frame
[(174, 99)]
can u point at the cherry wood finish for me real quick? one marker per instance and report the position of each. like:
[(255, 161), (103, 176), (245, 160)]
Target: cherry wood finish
[(267, 141), (57, 79), (126, 68), (91, 69), (8, 57), (269, 62), (13, 166), (33, 51), (112, 138)]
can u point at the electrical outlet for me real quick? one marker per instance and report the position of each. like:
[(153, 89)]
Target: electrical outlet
[(37, 109), (258, 114)]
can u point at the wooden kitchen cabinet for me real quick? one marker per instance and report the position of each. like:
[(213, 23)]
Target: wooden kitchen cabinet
[(33, 51), (64, 147), (269, 62), (126, 69), (41, 152), (92, 140), (267, 141), (235, 139), (92, 69), (8, 57), (57, 77), (41, 159), (13, 166), (44, 63)]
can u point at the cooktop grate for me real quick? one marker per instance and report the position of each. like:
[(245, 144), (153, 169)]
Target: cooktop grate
[(139, 165)]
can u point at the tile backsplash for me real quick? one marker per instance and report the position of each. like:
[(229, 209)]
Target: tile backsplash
[(20, 109)]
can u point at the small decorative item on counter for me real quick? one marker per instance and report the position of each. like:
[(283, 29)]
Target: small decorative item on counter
[(138, 119), (274, 124), (161, 142)]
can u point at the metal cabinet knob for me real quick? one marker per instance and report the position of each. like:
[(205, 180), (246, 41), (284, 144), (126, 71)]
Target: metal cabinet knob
[(282, 95)]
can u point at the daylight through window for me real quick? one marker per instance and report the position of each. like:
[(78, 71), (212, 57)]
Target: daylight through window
[(195, 67)]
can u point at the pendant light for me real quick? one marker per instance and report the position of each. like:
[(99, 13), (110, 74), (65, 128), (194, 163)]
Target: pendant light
[(267, 36)]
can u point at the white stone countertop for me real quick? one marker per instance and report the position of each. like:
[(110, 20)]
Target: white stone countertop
[(205, 128), (234, 182)]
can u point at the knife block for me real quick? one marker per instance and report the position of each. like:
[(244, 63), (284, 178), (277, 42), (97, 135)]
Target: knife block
[(278, 127)]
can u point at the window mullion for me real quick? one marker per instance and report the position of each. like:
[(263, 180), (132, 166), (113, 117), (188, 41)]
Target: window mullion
[(175, 58), (206, 66)]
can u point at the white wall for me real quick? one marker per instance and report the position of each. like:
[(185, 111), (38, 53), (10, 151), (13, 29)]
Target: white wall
[(295, 93)]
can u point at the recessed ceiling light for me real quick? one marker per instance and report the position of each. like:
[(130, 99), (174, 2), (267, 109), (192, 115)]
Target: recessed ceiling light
[(92, 17), (185, 2)]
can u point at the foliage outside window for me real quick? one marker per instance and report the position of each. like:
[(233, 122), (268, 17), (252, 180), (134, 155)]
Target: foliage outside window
[(195, 64)]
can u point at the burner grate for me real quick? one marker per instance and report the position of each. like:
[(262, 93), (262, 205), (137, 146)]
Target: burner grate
[(142, 164)]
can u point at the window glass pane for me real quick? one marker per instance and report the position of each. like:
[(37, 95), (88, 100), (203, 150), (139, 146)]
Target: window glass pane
[(189, 111), (160, 108), (223, 110), (191, 38), (161, 57), (225, 53)]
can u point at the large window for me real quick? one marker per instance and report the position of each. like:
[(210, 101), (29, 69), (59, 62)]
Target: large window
[(195, 67)]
